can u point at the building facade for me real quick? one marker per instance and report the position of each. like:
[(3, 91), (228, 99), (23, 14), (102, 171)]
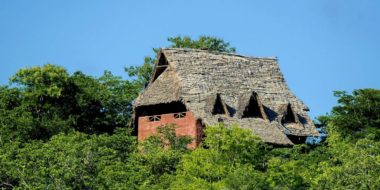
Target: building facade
[(196, 88)]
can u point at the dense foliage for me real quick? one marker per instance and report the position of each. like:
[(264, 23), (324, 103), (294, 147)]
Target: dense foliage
[(45, 101), (69, 131)]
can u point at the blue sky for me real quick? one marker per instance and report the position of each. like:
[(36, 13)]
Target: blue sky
[(322, 46)]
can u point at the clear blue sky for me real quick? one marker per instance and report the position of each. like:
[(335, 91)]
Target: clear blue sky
[(322, 46)]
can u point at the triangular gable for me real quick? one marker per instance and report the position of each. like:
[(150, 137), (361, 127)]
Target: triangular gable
[(215, 105), (287, 114), (159, 67), (250, 106)]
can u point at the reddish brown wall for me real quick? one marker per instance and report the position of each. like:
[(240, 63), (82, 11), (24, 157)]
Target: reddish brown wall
[(186, 126)]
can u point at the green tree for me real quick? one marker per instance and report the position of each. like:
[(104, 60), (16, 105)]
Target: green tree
[(44, 101), (229, 157), (67, 161), (203, 42), (16, 122), (30, 109), (348, 159), (294, 168), (158, 158), (100, 104), (353, 143), (357, 114), (353, 165)]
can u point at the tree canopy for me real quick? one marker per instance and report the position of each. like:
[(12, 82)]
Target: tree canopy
[(45, 101)]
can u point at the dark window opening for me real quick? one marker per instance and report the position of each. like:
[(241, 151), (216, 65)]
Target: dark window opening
[(179, 115), (218, 106), (253, 109), (297, 139), (155, 118), (289, 116), (157, 109)]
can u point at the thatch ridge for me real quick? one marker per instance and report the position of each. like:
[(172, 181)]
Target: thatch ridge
[(218, 53)]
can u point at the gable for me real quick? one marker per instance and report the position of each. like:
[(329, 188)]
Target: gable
[(218, 106), (250, 106), (161, 65)]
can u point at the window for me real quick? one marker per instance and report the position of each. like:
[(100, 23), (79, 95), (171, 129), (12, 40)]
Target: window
[(155, 118), (179, 115), (219, 107), (289, 116), (253, 109)]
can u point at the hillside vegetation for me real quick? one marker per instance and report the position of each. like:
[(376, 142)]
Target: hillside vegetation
[(70, 131)]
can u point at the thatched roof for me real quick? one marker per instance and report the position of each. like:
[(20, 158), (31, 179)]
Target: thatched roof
[(165, 89), (196, 76)]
